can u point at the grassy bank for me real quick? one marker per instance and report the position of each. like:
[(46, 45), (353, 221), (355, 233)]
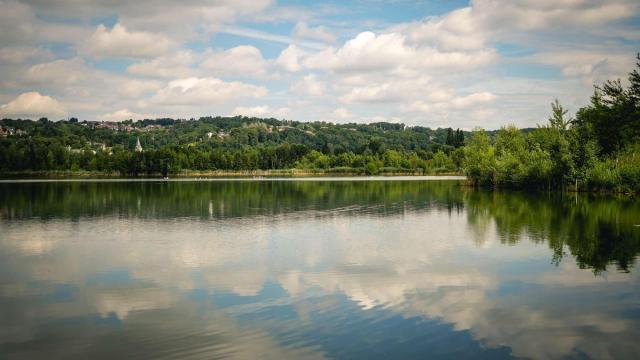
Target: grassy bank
[(64, 174)]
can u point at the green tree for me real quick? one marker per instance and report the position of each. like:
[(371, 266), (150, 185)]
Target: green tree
[(480, 161)]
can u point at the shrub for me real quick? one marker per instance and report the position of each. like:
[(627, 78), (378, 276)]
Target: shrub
[(603, 176)]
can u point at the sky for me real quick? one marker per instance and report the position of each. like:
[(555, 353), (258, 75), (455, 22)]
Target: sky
[(461, 64)]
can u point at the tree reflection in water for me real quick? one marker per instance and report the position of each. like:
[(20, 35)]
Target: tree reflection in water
[(597, 230)]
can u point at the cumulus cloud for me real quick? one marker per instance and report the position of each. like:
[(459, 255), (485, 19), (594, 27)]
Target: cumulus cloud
[(201, 91), (71, 71), (238, 61), (123, 114), (119, 42), (342, 113), (289, 58), (532, 15), (136, 88), (261, 111), (472, 99), (303, 31), (454, 103), (33, 105), (72, 79), (169, 66), (370, 94), (309, 85), (85, 90), (372, 90), (455, 31), (589, 66), (469, 28), (368, 52)]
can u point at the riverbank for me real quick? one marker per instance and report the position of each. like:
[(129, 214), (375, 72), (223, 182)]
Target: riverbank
[(215, 174)]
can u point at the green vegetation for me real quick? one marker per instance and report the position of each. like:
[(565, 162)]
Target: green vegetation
[(228, 144), (597, 150)]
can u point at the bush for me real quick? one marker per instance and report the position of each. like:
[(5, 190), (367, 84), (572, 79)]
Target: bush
[(603, 176), (629, 170)]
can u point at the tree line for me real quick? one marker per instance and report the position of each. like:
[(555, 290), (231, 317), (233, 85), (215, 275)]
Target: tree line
[(228, 144)]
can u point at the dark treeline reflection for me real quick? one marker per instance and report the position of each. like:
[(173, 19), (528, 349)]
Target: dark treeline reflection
[(596, 230), (221, 199)]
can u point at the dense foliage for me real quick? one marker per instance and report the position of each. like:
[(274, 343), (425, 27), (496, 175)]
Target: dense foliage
[(598, 150), (236, 144)]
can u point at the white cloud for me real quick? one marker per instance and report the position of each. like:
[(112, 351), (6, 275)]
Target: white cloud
[(303, 31), (123, 114), (238, 61), (455, 31), (371, 90), (368, 52), (136, 88), (364, 52), (85, 91), (289, 58), (454, 103), (309, 85), (261, 111), (262, 35), (472, 100), (371, 94), (342, 113), (202, 91), (33, 105), (72, 71), (73, 81), (469, 28), (182, 20), (19, 54), (62, 33), (128, 44), (577, 70), (170, 66), (192, 17), (532, 15), (284, 13), (591, 66), (17, 23)]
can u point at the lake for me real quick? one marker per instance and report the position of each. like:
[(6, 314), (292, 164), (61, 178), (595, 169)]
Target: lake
[(388, 269)]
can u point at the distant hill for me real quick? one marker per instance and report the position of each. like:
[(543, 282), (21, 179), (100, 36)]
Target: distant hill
[(226, 144), (236, 132)]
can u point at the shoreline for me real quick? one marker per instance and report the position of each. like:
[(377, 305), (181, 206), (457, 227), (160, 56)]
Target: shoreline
[(219, 174), (247, 176), (244, 179)]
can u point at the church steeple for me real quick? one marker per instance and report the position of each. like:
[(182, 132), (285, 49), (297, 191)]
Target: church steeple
[(138, 146)]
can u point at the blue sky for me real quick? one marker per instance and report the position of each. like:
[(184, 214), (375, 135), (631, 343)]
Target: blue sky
[(483, 63)]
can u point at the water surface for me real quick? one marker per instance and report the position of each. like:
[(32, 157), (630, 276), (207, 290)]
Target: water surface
[(314, 269)]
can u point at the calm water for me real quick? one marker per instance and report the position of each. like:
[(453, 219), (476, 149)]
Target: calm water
[(306, 269)]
